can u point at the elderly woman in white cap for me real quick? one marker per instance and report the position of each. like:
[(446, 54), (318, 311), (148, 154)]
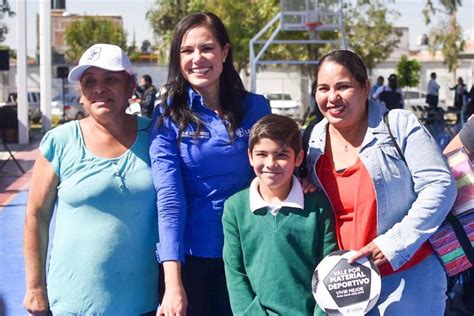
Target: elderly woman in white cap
[(97, 173)]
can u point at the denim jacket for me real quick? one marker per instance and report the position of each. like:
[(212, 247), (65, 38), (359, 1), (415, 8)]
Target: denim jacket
[(413, 198)]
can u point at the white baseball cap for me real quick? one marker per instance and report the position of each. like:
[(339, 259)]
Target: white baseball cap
[(104, 56)]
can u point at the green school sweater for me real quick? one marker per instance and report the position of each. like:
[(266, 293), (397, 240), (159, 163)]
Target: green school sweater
[(269, 260)]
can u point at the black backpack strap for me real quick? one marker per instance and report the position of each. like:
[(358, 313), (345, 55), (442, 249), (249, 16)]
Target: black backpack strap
[(307, 134), (303, 172), (452, 219), (387, 123), (462, 236)]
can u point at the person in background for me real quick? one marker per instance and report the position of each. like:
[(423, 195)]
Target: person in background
[(304, 234), (377, 85), (199, 158), (385, 206), (433, 91), (470, 102), (147, 94), (461, 297), (390, 95), (313, 113), (97, 173), (312, 102), (465, 138), (460, 91)]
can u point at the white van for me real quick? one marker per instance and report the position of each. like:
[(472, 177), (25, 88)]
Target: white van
[(34, 108)]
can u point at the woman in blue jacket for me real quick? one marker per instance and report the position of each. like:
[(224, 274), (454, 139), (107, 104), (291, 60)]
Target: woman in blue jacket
[(386, 205), (199, 158)]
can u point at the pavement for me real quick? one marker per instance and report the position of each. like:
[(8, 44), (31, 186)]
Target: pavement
[(13, 197), (12, 179)]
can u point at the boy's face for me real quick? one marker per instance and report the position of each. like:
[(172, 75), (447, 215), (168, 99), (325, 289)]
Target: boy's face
[(274, 165)]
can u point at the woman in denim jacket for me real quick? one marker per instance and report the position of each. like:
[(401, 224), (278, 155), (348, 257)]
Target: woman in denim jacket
[(385, 208)]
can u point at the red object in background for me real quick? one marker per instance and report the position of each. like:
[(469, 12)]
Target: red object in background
[(313, 25)]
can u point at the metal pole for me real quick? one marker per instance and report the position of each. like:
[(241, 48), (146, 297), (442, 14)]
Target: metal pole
[(341, 25), (254, 59), (45, 61), (253, 68), (21, 84), (64, 99)]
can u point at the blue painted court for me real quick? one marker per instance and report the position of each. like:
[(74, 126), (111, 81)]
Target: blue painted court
[(12, 273), (12, 270)]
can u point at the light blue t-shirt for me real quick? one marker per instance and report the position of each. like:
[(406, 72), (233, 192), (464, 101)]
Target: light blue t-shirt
[(102, 260)]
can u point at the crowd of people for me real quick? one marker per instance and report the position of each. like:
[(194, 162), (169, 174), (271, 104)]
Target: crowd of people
[(393, 97), (205, 191)]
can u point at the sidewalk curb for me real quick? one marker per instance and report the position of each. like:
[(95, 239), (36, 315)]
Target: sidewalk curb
[(21, 182)]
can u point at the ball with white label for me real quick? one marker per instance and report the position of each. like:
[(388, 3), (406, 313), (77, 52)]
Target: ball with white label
[(342, 288)]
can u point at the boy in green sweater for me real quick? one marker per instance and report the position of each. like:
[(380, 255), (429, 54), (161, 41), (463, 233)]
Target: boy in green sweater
[(274, 235)]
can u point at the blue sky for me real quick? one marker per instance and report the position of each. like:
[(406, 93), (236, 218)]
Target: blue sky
[(133, 13)]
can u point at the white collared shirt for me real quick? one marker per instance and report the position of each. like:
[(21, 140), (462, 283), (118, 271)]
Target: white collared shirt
[(433, 87), (295, 198)]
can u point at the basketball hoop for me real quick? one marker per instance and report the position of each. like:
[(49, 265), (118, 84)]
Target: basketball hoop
[(312, 25)]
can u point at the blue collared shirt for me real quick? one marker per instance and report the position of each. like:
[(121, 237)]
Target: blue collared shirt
[(193, 178)]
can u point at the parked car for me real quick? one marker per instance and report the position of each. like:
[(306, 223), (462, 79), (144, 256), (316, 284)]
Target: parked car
[(284, 104), (74, 110), (34, 109), (134, 107), (415, 97)]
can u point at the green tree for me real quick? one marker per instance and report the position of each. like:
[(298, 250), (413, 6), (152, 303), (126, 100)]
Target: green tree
[(163, 18), (132, 50), (89, 30), (4, 9), (369, 33), (166, 14), (11, 52), (408, 72), (447, 34), (252, 15)]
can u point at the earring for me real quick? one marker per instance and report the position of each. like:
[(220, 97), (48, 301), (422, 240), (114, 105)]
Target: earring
[(223, 61)]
